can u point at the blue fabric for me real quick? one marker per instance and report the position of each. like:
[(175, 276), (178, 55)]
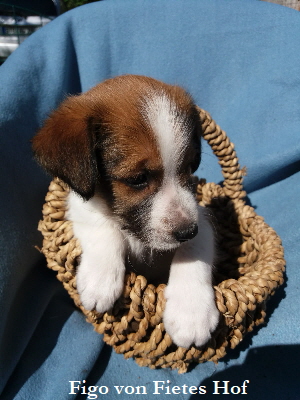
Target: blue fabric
[(240, 60)]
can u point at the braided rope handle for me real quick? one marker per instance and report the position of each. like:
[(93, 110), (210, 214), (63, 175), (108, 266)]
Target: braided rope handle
[(224, 150)]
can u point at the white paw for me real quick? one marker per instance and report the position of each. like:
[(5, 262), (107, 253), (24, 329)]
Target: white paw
[(189, 324), (99, 292)]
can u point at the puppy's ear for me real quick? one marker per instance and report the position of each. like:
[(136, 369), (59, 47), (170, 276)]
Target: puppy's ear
[(196, 162), (65, 147), (196, 140)]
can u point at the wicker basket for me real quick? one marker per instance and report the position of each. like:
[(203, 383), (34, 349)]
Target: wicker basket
[(249, 269)]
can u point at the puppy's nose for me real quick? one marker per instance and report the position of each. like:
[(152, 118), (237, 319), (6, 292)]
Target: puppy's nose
[(187, 233)]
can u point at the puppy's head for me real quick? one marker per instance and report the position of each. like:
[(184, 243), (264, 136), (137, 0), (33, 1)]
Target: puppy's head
[(136, 141)]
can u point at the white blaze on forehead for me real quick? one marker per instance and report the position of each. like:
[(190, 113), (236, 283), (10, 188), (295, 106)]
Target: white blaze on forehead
[(173, 206), (170, 127)]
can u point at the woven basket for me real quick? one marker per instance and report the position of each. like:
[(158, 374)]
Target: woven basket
[(249, 269)]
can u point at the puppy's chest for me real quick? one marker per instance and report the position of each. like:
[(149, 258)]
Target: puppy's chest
[(155, 267)]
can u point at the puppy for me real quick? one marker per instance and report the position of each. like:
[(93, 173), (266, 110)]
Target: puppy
[(127, 149)]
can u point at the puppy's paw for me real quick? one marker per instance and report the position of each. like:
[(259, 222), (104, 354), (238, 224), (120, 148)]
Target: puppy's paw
[(99, 293), (190, 324)]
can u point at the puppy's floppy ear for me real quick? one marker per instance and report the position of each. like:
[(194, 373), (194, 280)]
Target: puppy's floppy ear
[(196, 140), (65, 146)]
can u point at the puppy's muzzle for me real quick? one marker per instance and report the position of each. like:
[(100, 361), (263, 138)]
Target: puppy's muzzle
[(187, 233)]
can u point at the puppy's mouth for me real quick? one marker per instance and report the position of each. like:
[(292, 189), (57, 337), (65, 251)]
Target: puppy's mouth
[(164, 240), (161, 232), (172, 240)]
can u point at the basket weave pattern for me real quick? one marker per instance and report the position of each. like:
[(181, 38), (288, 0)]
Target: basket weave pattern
[(249, 268)]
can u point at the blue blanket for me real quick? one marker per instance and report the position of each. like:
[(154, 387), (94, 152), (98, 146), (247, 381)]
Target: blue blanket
[(240, 60)]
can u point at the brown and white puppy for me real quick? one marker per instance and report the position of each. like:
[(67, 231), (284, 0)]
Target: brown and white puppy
[(127, 149)]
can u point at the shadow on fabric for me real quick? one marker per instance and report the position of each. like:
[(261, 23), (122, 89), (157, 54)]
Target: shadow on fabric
[(44, 337), (272, 372), (97, 371)]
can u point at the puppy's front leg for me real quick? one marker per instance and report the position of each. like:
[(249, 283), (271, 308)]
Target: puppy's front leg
[(191, 314), (100, 274)]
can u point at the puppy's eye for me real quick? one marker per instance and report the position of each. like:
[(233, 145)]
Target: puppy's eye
[(137, 182)]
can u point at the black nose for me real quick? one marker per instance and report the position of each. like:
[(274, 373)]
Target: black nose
[(187, 233)]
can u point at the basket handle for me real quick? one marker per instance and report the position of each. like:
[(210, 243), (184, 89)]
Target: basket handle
[(224, 150)]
